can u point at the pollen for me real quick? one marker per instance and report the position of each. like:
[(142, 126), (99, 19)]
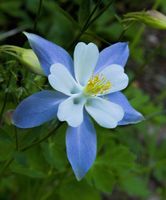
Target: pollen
[(98, 84)]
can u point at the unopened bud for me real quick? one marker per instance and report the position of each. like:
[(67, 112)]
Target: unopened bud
[(152, 18), (26, 56), (30, 59)]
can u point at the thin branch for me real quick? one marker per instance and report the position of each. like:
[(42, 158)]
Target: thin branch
[(12, 32), (5, 99), (101, 13), (44, 138), (85, 26)]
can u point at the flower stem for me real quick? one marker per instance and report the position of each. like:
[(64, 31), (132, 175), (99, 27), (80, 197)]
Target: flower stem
[(59, 124), (89, 22), (101, 12), (86, 25)]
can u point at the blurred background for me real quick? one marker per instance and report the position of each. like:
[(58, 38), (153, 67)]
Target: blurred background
[(131, 160)]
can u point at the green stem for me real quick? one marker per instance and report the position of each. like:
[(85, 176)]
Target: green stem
[(12, 54), (85, 26), (12, 32), (97, 37), (100, 13), (44, 138), (137, 37), (11, 50), (124, 30), (141, 30), (136, 41), (91, 15), (156, 4), (89, 22)]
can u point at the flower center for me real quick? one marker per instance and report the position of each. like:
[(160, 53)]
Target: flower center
[(98, 84)]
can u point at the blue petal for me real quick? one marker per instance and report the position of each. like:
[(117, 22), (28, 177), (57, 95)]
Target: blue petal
[(131, 115), (115, 54), (49, 53), (37, 109), (81, 147)]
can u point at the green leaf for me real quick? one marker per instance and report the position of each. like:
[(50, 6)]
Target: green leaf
[(73, 190), (102, 177), (54, 150), (112, 162), (122, 158), (55, 153), (134, 186), (30, 164), (118, 158)]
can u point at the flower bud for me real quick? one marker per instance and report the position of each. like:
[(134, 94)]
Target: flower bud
[(30, 59), (152, 18), (26, 56)]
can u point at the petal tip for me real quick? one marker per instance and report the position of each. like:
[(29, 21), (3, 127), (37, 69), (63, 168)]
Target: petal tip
[(27, 34), (80, 172), (124, 43), (16, 122), (31, 36), (79, 177), (141, 118), (133, 119)]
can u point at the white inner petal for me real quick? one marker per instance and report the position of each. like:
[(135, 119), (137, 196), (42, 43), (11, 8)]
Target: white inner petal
[(118, 79), (60, 79), (85, 60), (71, 110), (105, 113)]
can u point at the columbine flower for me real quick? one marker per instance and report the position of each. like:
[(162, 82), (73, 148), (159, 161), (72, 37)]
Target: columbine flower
[(89, 86)]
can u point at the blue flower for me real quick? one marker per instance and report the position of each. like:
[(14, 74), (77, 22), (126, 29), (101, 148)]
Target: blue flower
[(88, 86)]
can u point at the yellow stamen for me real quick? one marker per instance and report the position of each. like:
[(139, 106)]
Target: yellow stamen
[(98, 84)]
